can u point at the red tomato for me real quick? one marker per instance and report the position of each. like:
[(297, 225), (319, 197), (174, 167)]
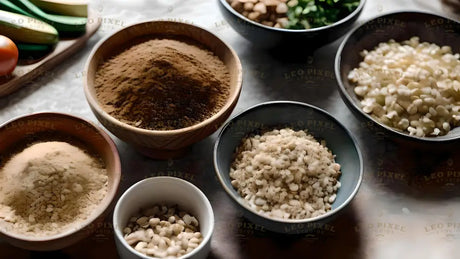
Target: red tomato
[(8, 55)]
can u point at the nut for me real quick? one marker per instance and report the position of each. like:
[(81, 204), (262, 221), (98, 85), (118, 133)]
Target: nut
[(161, 232), (281, 8), (248, 6), (254, 16), (260, 8)]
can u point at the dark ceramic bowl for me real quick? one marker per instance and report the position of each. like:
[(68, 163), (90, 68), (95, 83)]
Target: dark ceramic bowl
[(398, 26), (269, 37), (298, 116)]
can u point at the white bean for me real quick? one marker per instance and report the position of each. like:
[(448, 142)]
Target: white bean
[(164, 233)]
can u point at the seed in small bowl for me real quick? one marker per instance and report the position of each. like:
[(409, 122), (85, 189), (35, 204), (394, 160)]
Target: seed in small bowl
[(163, 231), (163, 217)]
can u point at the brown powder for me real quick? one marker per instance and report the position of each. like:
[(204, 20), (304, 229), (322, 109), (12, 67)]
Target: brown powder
[(163, 84)]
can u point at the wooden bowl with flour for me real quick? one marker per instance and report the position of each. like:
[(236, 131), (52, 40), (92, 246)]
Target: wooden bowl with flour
[(162, 86), (59, 175)]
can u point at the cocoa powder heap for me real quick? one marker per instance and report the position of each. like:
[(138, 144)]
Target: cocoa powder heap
[(163, 84)]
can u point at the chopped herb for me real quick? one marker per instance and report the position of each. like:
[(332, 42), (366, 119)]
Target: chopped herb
[(307, 14)]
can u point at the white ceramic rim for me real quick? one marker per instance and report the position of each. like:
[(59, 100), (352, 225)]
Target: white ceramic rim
[(197, 191)]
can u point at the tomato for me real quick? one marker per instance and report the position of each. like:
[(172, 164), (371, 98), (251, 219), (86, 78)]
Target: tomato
[(8, 55)]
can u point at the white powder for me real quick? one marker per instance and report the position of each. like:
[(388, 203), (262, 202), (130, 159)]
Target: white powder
[(50, 187), (285, 174)]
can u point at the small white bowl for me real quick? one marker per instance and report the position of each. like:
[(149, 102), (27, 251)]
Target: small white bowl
[(163, 190)]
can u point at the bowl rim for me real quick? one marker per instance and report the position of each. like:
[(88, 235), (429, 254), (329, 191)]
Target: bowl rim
[(95, 105), (109, 197), (348, 99), (164, 179), (350, 16), (239, 199)]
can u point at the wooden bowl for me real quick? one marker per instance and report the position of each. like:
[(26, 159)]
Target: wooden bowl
[(162, 144), (57, 126)]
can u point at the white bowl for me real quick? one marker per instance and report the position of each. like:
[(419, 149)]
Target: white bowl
[(159, 190)]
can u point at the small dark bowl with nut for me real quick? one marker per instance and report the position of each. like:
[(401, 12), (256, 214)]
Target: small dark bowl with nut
[(281, 23)]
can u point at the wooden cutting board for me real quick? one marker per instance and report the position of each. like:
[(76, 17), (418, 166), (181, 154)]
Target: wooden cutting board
[(24, 73)]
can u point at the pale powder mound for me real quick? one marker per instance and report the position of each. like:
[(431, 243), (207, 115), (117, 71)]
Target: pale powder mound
[(50, 187)]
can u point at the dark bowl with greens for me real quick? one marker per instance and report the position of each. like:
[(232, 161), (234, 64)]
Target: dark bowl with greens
[(308, 23)]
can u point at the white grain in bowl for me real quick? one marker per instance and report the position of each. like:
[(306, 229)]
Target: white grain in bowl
[(412, 86), (285, 174)]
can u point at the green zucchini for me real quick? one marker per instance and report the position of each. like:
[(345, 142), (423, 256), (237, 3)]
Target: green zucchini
[(6, 5), (33, 51), (68, 7), (26, 29), (67, 25)]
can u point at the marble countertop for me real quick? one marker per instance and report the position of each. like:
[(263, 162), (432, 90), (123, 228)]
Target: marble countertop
[(408, 205)]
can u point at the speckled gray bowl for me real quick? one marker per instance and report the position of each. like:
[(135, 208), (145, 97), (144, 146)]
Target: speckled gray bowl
[(297, 116), (399, 26)]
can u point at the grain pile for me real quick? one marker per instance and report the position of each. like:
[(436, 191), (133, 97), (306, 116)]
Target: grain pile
[(411, 86), (285, 174)]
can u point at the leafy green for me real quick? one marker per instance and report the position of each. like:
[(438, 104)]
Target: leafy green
[(307, 14)]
